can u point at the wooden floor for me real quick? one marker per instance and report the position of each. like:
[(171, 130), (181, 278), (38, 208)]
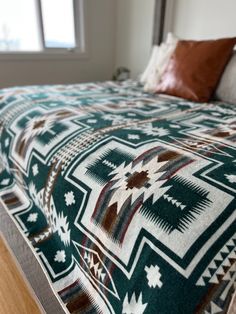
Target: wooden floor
[(15, 295)]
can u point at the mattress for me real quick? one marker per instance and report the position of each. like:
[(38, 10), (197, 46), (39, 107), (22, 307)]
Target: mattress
[(125, 199)]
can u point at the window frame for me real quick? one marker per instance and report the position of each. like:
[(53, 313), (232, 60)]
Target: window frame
[(54, 53)]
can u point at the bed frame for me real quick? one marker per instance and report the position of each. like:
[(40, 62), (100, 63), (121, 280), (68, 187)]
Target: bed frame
[(29, 264), (159, 21)]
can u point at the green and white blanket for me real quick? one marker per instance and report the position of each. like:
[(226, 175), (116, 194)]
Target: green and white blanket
[(127, 198)]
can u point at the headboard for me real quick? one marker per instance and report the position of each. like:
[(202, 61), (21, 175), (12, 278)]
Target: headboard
[(159, 21)]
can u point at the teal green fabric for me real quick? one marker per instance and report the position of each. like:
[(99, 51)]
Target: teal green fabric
[(126, 198)]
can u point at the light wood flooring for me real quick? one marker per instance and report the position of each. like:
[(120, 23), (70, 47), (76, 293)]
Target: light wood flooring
[(15, 295)]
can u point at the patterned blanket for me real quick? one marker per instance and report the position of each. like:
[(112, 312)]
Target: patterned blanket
[(126, 198)]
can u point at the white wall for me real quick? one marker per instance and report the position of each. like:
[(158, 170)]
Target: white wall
[(204, 19), (189, 19), (100, 23), (119, 33), (134, 34)]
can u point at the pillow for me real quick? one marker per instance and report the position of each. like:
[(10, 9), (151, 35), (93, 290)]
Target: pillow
[(157, 63), (226, 90), (195, 68), (151, 64)]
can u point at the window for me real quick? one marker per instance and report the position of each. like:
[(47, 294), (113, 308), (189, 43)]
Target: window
[(59, 29), (41, 25)]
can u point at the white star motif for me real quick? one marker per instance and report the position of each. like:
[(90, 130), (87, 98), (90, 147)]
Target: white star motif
[(133, 137), (5, 182), (175, 126), (116, 119), (35, 169), (7, 141), (153, 276), (154, 131), (69, 198), (92, 121), (60, 256), (216, 114), (231, 178), (32, 217), (150, 130)]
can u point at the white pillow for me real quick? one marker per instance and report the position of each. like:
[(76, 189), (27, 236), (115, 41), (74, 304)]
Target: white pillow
[(151, 64), (226, 90), (158, 62)]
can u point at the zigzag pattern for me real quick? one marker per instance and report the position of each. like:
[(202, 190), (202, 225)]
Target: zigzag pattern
[(49, 186), (109, 164), (95, 267), (75, 146), (15, 111), (43, 236), (218, 268), (174, 201)]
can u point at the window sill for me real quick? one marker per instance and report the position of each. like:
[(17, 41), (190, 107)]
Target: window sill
[(41, 56)]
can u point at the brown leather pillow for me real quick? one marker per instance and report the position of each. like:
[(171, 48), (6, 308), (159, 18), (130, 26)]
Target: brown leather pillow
[(195, 68)]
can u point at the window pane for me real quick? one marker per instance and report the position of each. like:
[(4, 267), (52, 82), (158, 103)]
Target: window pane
[(58, 21), (19, 26)]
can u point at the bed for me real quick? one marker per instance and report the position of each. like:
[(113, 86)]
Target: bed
[(124, 201)]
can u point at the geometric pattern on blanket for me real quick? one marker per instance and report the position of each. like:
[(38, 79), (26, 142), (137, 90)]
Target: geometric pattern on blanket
[(127, 198)]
